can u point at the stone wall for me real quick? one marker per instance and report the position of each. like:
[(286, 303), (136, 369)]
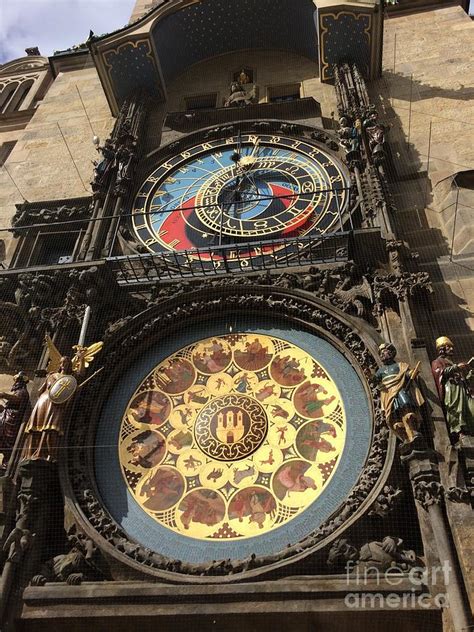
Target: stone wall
[(271, 68), (428, 80), (40, 163)]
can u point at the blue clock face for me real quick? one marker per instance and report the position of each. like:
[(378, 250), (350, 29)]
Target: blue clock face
[(240, 190)]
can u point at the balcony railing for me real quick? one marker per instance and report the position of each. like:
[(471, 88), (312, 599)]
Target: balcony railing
[(220, 260)]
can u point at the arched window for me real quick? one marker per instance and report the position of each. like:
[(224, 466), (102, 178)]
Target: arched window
[(19, 95), (6, 95)]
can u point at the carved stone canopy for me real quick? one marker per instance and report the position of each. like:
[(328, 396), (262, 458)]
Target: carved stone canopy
[(51, 212), (293, 309)]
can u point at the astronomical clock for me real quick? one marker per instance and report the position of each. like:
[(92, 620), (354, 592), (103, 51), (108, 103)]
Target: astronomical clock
[(233, 427), (260, 191)]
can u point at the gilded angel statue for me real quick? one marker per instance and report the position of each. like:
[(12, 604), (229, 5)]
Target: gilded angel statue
[(46, 424)]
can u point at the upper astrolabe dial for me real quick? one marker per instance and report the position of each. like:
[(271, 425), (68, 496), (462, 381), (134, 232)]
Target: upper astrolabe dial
[(243, 189)]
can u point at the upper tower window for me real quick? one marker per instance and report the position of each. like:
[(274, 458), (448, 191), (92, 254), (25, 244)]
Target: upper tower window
[(279, 94), (201, 102)]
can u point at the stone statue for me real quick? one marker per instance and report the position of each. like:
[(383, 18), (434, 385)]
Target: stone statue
[(81, 562), (400, 396), (452, 381), (45, 426), (238, 96), (372, 557), (125, 158), (17, 403), (375, 134), (244, 78), (349, 135), (103, 166)]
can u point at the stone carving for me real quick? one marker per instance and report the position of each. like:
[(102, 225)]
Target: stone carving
[(119, 153), (355, 291), (291, 129), (458, 495), (21, 308), (386, 501), (400, 286), (25, 215), (103, 166), (428, 493), (373, 557), (375, 134), (239, 96), (17, 544), (31, 304), (351, 92), (130, 243), (125, 158), (17, 403), (400, 396), (34, 494), (350, 140), (82, 562), (216, 132), (454, 390)]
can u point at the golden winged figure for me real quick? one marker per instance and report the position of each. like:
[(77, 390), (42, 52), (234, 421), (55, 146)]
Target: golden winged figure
[(81, 360), (47, 422)]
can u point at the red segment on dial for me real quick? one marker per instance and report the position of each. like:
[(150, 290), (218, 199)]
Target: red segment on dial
[(173, 229), (280, 193)]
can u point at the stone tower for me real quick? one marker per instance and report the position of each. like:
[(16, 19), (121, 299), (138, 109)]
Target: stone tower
[(218, 173)]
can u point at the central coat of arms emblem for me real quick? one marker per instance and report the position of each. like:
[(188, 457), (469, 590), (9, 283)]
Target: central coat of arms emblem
[(231, 428)]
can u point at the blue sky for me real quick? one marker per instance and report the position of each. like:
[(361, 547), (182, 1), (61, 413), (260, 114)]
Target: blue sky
[(56, 24)]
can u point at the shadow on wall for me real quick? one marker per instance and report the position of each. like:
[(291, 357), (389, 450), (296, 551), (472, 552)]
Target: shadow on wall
[(404, 88), (447, 311)]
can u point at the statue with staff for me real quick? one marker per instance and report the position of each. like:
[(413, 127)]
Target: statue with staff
[(401, 398), (46, 425), (15, 408)]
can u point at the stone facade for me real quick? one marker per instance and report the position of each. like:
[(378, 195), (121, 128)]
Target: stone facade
[(404, 275)]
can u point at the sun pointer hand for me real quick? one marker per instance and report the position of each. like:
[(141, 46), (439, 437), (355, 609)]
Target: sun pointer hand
[(248, 162)]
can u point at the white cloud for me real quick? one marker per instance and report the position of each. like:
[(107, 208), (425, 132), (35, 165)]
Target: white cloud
[(56, 24)]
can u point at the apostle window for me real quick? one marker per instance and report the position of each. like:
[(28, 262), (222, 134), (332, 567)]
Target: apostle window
[(280, 94)]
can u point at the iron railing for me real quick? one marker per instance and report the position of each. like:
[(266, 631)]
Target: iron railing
[(235, 258)]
